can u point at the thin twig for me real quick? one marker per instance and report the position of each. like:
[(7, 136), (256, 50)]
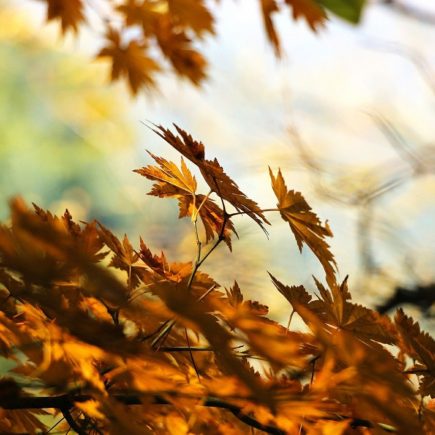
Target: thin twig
[(246, 212), (70, 420), (191, 355)]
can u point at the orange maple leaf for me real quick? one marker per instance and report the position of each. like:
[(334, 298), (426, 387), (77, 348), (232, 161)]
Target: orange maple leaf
[(179, 50), (193, 14), (310, 10), (142, 13), (213, 174), (130, 61), (304, 224), (178, 183), (336, 311), (268, 7), (420, 346), (69, 12)]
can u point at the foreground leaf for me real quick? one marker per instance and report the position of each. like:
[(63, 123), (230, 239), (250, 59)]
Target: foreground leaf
[(214, 175)]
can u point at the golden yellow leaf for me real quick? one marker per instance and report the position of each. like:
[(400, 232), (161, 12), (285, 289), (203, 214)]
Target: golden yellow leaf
[(214, 175), (91, 408), (178, 183)]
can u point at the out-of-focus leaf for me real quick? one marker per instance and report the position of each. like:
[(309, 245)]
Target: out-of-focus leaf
[(179, 49), (268, 8), (130, 61), (349, 10), (193, 14), (311, 10), (68, 12), (420, 346)]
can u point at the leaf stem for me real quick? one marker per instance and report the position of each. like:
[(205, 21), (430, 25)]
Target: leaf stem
[(247, 212)]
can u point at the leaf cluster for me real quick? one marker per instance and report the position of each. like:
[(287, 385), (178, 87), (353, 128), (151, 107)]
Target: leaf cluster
[(143, 37), (106, 337)]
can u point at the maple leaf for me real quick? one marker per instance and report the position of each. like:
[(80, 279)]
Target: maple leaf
[(168, 174), (371, 375), (420, 346), (213, 174), (139, 12), (304, 224), (193, 14), (179, 183), (178, 49), (87, 237), (125, 257), (176, 273), (178, 298), (52, 253), (160, 266), (69, 12), (234, 295), (130, 61), (335, 310), (310, 10), (268, 7)]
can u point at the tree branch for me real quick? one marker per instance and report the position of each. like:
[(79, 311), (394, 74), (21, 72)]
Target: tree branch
[(421, 296), (66, 402), (70, 420)]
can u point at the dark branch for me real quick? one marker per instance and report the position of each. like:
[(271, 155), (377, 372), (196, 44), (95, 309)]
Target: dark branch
[(70, 420), (66, 402), (421, 296)]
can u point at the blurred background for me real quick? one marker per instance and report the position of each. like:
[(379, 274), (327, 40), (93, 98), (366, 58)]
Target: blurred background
[(348, 114)]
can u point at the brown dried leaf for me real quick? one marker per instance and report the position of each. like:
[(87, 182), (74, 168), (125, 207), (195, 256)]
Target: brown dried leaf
[(268, 7), (130, 61), (304, 224), (420, 346), (68, 12), (193, 14), (179, 50), (310, 10)]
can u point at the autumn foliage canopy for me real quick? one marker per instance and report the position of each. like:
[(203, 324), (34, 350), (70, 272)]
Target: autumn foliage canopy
[(113, 338), (103, 336)]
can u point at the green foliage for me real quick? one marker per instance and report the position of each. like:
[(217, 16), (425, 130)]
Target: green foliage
[(349, 10)]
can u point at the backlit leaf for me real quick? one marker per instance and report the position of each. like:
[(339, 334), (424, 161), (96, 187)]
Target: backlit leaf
[(304, 224), (68, 12), (214, 175), (129, 61)]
